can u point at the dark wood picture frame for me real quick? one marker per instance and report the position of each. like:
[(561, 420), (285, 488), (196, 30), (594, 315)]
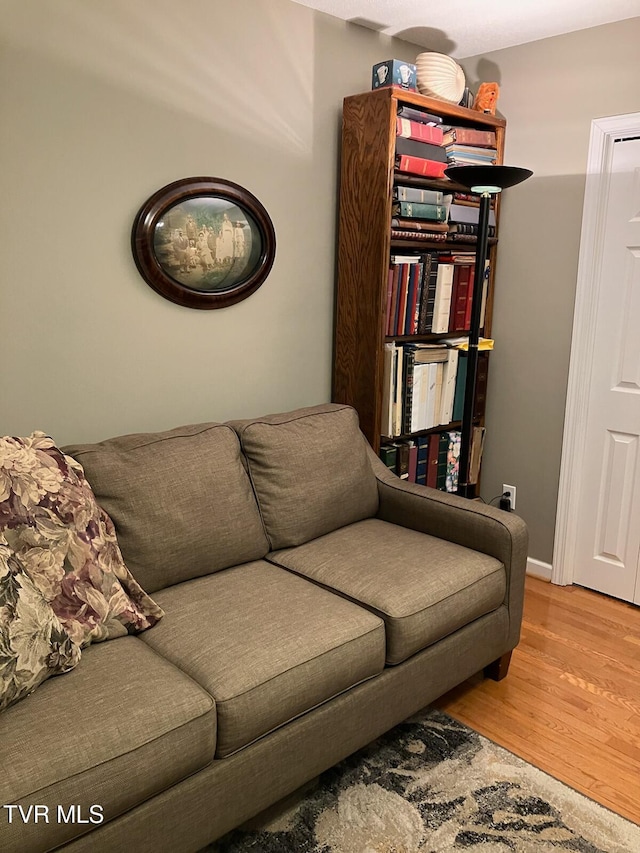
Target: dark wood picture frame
[(203, 242)]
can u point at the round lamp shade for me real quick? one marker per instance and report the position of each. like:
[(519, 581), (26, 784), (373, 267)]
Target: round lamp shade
[(439, 76), (491, 179)]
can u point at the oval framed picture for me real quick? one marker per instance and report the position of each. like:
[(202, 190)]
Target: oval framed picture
[(203, 242)]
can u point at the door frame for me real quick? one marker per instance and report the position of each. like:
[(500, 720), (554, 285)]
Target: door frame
[(604, 132)]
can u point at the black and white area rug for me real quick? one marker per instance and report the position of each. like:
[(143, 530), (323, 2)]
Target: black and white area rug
[(430, 785)]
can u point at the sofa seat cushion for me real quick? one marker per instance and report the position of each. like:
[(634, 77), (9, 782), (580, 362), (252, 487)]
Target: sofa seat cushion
[(124, 725), (181, 501), (267, 645), (310, 470), (423, 587)]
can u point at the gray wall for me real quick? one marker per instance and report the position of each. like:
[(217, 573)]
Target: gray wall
[(551, 91), (104, 103)]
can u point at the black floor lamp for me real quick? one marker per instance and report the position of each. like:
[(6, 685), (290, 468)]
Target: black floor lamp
[(484, 181)]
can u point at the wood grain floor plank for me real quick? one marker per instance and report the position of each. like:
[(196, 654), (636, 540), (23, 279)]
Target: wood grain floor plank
[(571, 701), (564, 740), (599, 725), (557, 755), (609, 653)]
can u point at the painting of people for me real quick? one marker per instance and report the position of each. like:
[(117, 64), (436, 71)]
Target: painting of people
[(207, 243)]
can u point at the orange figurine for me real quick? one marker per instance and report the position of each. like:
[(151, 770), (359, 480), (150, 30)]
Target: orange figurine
[(487, 98)]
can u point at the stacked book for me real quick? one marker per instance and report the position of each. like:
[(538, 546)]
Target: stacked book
[(467, 155), (464, 218), (419, 143), (466, 146), (421, 116), (420, 213), (427, 159)]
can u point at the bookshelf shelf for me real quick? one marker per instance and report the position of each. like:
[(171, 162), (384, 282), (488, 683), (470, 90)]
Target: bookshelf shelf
[(366, 245), (421, 339), (430, 183)]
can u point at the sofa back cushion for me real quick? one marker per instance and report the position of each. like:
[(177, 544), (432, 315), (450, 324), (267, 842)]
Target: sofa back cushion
[(310, 471), (181, 501)]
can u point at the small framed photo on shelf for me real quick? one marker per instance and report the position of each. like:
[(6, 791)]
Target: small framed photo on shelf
[(203, 242)]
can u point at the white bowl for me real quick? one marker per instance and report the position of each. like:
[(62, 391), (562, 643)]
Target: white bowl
[(439, 76)]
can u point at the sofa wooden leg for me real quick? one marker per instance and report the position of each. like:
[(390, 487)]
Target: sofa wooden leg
[(498, 669)]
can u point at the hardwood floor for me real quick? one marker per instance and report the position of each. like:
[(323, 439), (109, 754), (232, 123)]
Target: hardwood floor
[(570, 704)]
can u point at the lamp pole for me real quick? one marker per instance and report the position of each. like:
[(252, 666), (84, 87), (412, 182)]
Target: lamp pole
[(466, 438), (484, 181)]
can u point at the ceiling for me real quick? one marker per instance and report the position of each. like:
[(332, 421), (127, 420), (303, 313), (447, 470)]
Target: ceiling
[(462, 28)]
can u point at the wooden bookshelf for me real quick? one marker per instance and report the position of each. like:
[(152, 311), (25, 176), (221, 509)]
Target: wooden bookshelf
[(365, 244)]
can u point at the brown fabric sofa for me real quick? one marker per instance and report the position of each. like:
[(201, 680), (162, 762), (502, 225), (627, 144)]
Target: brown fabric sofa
[(312, 601)]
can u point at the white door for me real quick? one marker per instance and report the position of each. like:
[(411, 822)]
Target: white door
[(607, 552)]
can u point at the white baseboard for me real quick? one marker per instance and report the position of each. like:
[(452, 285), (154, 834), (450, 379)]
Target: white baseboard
[(539, 569)]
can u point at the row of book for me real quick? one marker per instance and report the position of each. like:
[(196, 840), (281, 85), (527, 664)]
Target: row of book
[(414, 123), (437, 223), (431, 293), (425, 147), (433, 210), (433, 460), (431, 159), (424, 385)]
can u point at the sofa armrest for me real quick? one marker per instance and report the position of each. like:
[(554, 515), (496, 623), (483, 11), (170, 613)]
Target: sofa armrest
[(469, 523)]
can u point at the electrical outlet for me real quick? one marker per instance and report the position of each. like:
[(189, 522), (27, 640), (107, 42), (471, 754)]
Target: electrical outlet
[(512, 494)]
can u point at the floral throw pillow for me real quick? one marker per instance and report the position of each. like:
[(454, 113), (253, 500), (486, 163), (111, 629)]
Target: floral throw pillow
[(33, 643), (67, 543)]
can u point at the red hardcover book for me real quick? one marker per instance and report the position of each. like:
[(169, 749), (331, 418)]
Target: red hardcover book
[(419, 288), (454, 297), (432, 461), (413, 310), (463, 298), (403, 284), (411, 289), (391, 326), (417, 130), (470, 294), (419, 225), (470, 136), (413, 461), (420, 166), (402, 461), (389, 299), (412, 293)]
